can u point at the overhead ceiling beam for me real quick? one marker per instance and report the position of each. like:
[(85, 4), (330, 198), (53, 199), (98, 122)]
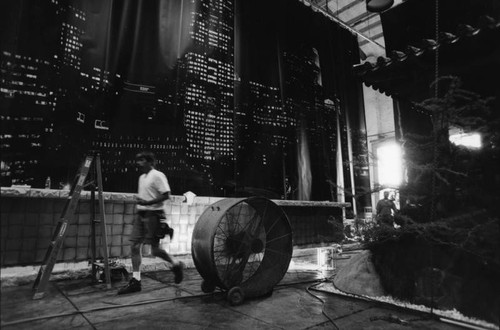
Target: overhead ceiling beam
[(377, 36), (345, 8), (341, 23), (371, 26), (361, 18)]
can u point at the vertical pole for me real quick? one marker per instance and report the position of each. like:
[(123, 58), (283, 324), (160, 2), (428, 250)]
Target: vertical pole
[(237, 89), (104, 234), (351, 163), (283, 109), (92, 223), (340, 166), (180, 30), (284, 171)]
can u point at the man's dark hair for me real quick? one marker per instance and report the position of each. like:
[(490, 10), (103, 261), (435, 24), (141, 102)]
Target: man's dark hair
[(147, 155)]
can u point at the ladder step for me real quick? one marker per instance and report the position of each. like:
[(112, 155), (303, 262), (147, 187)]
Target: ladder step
[(111, 266), (90, 183)]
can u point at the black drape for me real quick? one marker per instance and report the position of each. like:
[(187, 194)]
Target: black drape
[(308, 58), (234, 97)]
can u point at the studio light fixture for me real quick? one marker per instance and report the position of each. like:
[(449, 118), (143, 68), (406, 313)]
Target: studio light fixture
[(468, 140), (377, 6), (390, 164)]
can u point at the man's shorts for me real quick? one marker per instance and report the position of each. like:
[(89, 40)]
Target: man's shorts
[(145, 225)]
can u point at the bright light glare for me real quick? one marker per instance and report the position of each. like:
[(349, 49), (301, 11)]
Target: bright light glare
[(390, 165), (472, 140)]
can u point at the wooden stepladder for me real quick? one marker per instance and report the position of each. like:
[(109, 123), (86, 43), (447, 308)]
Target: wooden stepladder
[(91, 166)]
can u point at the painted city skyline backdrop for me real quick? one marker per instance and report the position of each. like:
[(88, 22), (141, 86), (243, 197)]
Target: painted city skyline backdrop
[(234, 97)]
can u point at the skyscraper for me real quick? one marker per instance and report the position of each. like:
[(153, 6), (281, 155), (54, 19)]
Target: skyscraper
[(206, 78), (27, 103), (266, 132), (41, 53)]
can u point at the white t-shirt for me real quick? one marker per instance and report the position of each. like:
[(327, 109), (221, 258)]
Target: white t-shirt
[(151, 186)]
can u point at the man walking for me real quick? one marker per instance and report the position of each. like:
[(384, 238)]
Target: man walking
[(385, 210), (153, 191)]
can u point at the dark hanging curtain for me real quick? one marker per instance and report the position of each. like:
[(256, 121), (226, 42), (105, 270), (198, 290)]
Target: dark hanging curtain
[(137, 44), (306, 59), (235, 97)]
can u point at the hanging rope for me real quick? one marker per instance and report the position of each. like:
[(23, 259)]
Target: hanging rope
[(437, 132), (436, 62)]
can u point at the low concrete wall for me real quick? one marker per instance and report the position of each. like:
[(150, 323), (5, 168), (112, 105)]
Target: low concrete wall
[(29, 218)]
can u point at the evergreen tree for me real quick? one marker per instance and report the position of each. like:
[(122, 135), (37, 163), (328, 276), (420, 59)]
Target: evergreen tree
[(449, 235), (448, 179)]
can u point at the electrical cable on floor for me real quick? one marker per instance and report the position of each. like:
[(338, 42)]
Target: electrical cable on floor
[(315, 281), (76, 307), (323, 307), (296, 273)]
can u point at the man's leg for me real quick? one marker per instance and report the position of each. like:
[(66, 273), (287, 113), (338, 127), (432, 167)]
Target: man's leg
[(157, 251), (136, 260), (177, 266), (134, 285), (152, 224), (136, 237)]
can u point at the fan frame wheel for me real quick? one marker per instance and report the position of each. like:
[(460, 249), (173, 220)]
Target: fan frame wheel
[(235, 296)]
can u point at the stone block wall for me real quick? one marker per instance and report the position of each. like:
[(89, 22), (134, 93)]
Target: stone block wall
[(183, 217), (29, 218)]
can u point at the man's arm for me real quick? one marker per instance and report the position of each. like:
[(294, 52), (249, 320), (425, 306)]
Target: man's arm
[(158, 199), (394, 207)]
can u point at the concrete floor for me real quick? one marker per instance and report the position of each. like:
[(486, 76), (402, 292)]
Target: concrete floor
[(294, 304)]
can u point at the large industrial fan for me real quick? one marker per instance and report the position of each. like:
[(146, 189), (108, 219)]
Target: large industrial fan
[(243, 246)]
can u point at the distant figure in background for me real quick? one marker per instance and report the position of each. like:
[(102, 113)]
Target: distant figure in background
[(288, 189), (385, 208), (153, 191)]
